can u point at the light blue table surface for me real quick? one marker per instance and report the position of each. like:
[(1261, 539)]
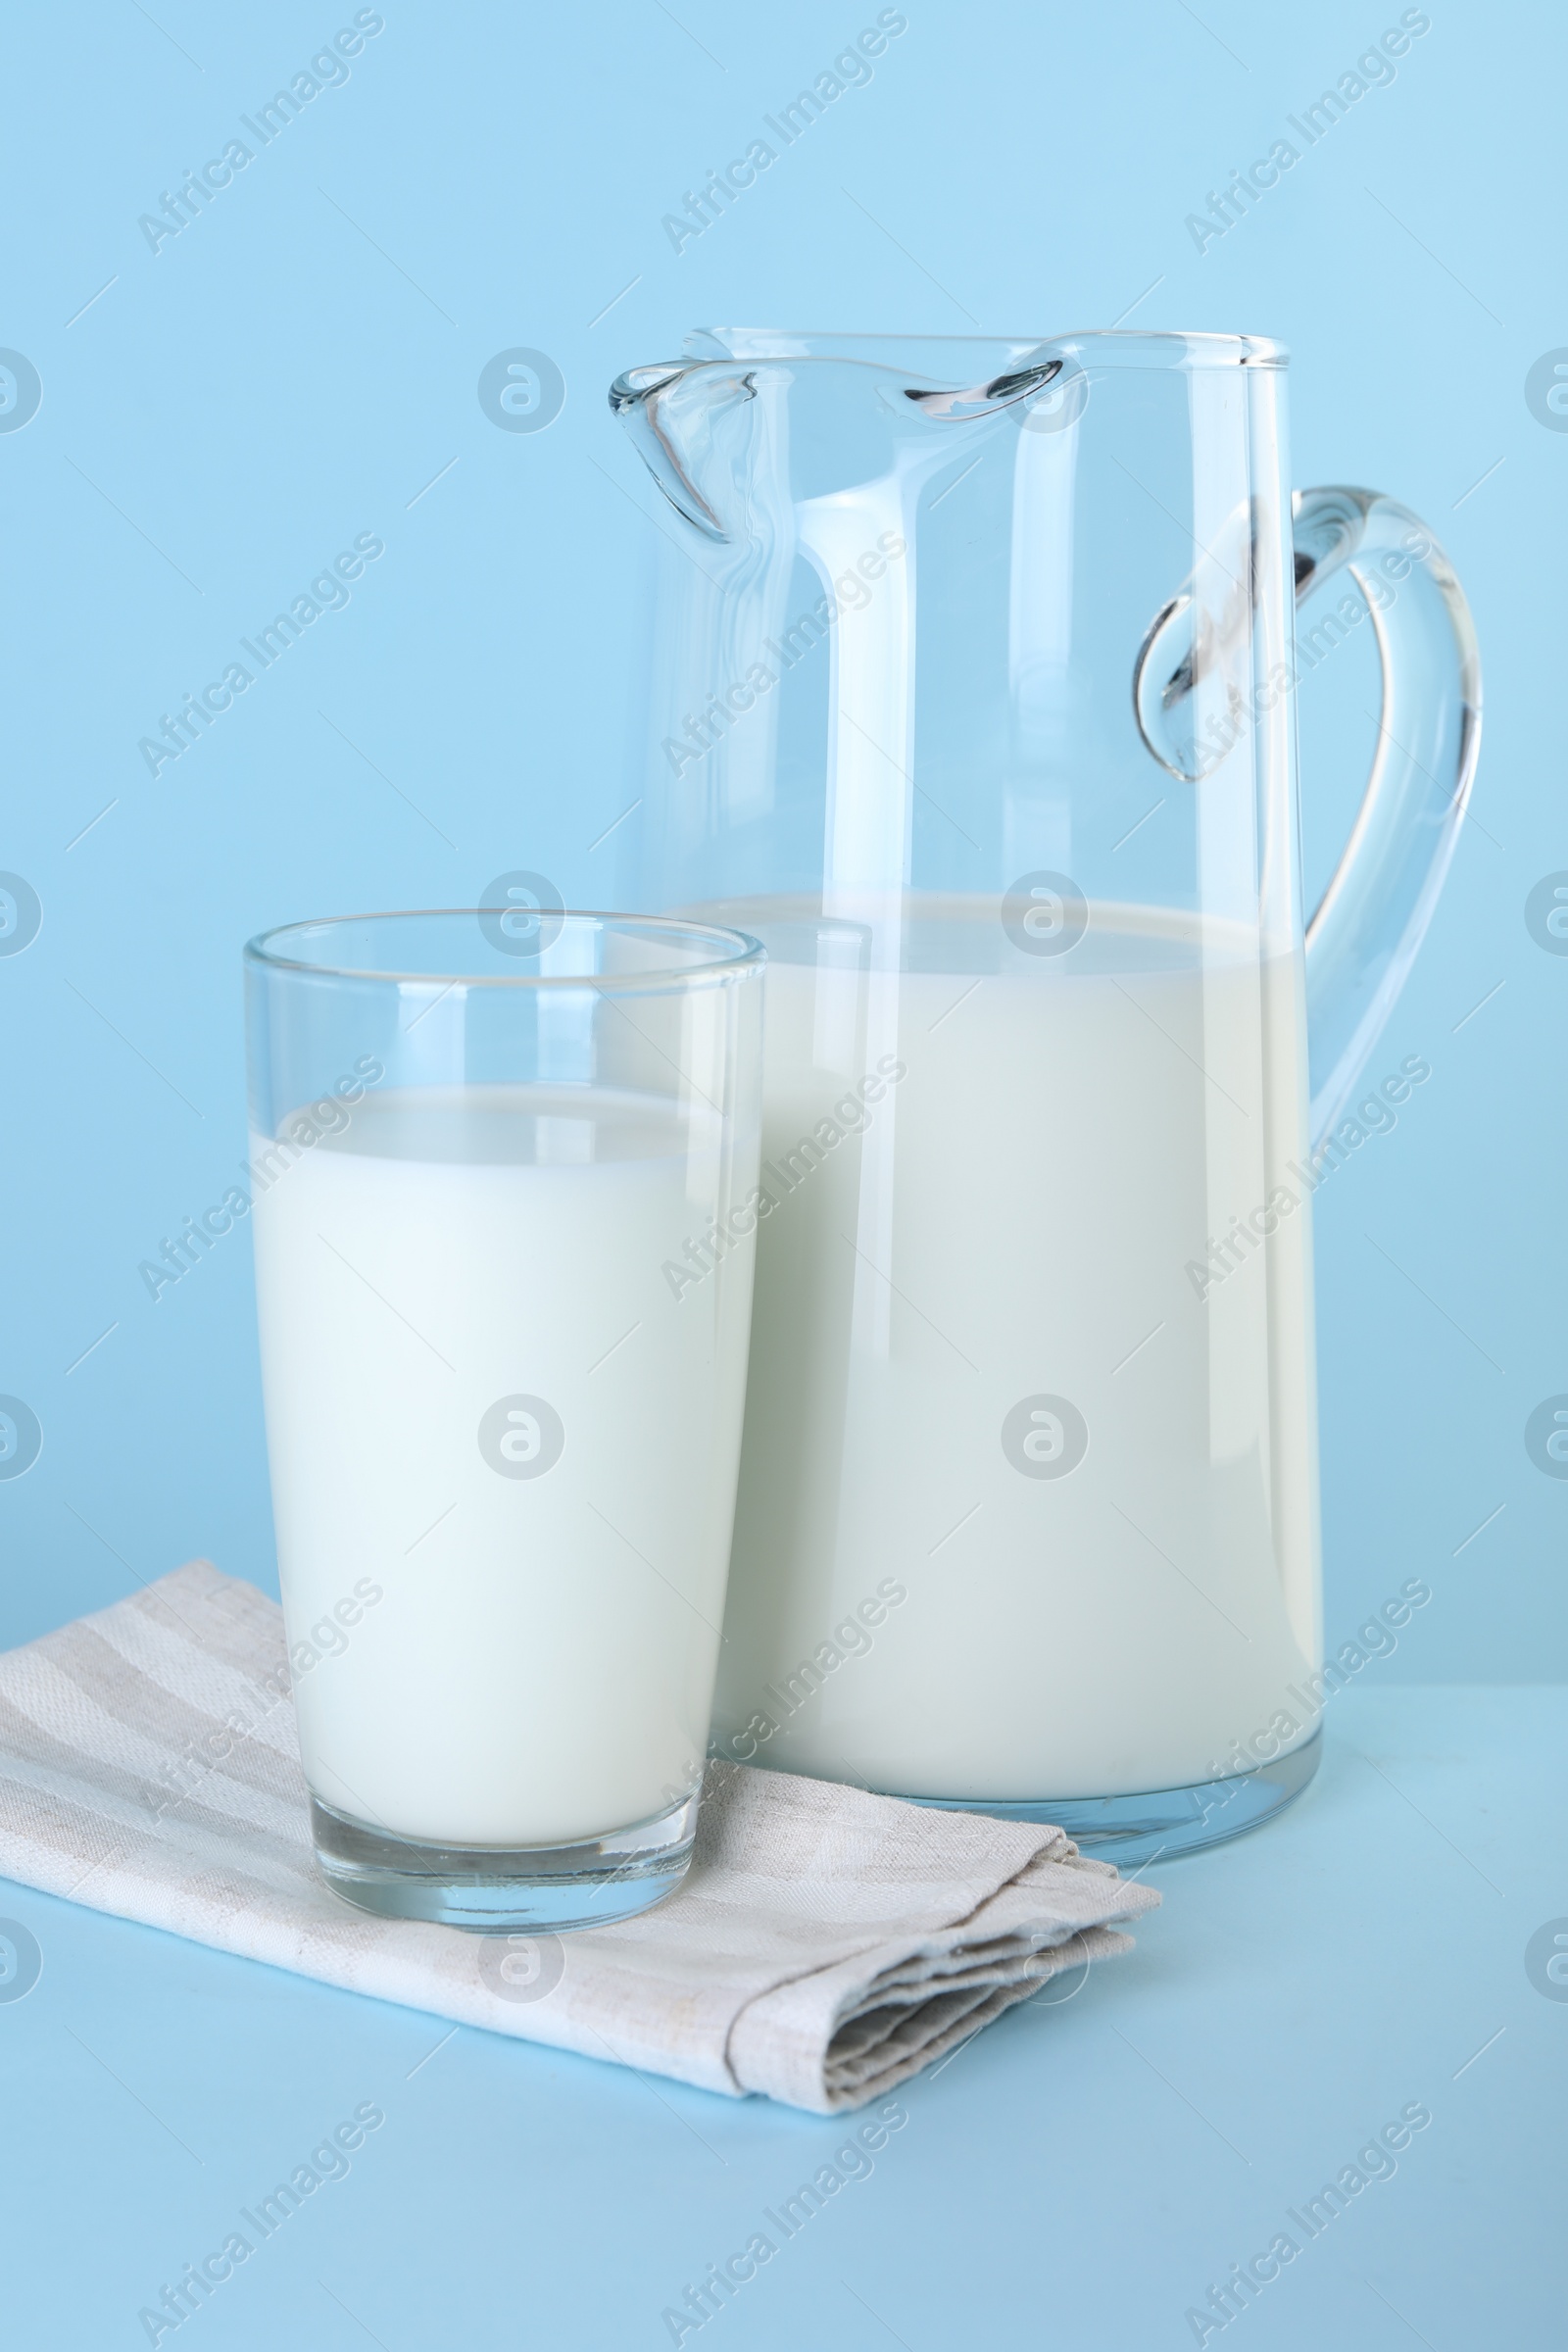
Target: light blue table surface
[(1078, 2176)]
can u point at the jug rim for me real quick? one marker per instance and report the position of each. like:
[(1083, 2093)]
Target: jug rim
[(1111, 346)]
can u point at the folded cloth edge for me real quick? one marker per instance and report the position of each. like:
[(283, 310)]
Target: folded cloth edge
[(793, 2041)]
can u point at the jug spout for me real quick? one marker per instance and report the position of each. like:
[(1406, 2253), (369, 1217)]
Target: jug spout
[(812, 414), (671, 409)]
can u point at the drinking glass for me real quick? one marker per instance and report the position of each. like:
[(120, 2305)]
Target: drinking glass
[(501, 1161)]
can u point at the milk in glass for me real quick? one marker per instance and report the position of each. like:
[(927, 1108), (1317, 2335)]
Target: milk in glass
[(538, 1662)]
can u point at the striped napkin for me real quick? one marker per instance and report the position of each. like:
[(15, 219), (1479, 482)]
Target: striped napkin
[(826, 1944)]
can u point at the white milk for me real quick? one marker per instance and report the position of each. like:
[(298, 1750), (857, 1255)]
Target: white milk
[(539, 1664), (1016, 1220)]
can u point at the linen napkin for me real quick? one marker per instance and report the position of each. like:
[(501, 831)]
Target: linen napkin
[(826, 1944)]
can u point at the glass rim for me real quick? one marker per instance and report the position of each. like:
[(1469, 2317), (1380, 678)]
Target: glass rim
[(743, 952)]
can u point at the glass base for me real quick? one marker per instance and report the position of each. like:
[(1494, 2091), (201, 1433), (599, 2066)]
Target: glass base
[(1135, 1831), (498, 1890)]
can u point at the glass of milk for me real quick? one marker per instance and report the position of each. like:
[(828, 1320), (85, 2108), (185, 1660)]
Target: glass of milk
[(504, 1169)]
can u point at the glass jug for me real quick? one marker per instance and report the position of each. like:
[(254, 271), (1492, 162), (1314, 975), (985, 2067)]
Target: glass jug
[(974, 702)]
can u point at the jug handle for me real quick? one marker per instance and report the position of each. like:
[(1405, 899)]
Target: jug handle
[(1372, 917)]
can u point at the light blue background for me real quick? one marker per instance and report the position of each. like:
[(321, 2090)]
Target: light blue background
[(295, 368), (268, 384), (235, 408)]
